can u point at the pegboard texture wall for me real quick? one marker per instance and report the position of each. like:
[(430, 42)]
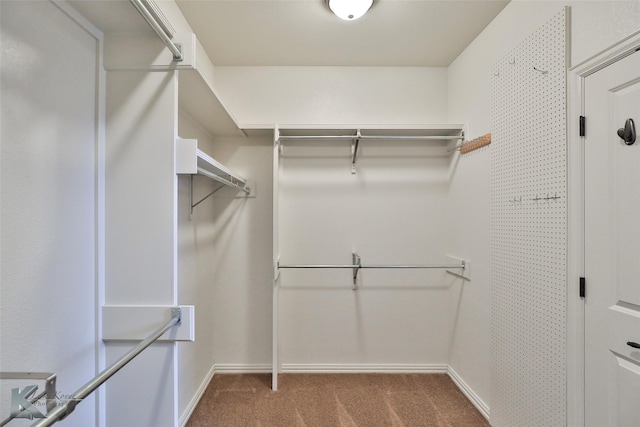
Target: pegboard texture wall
[(529, 231)]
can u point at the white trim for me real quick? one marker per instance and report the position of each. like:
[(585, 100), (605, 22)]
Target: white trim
[(575, 305), (468, 391), (196, 398), (79, 19), (100, 214), (241, 368), (276, 259), (337, 368), (624, 47), (575, 256), (303, 368)]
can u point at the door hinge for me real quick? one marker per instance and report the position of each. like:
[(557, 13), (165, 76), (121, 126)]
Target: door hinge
[(583, 120), (583, 287)]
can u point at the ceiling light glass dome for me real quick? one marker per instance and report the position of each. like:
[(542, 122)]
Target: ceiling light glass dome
[(349, 10)]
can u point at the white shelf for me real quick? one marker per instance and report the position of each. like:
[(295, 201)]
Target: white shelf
[(370, 129), (445, 139), (405, 129), (447, 135), (379, 131), (197, 99), (193, 161)]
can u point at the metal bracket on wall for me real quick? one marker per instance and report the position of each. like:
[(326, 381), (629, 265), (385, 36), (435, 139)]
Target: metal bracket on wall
[(354, 151), (176, 312), (193, 205), (357, 265)]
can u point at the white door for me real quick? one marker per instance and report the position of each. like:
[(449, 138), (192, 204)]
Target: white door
[(612, 247)]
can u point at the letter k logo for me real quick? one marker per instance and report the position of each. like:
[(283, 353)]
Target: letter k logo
[(20, 405)]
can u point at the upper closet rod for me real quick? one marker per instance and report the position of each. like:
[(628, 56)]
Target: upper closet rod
[(361, 137), (231, 181), (160, 29)]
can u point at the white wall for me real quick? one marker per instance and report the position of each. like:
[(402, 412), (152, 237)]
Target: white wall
[(469, 101), (242, 268), (317, 95), (393, 211), (196, 249), (468, 235), (334, 95), (594, 26), (49, 244), (141, 257)]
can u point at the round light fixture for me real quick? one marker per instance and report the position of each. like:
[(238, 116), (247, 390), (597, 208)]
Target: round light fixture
[(349, 10)]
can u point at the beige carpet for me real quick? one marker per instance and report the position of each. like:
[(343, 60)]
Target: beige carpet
[(341, 400)]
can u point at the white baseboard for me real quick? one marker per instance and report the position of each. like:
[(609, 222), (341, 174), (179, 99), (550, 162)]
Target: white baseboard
[(196, 398), (240, 368), (359, 368), (471, 395)]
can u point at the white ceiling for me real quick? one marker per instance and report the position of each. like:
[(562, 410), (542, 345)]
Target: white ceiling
[(305, 33), (427, 33)]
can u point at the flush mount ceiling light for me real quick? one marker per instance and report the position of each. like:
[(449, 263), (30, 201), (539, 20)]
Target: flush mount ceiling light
[(349, 10)]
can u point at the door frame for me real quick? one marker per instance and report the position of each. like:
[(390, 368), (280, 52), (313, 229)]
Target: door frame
[(576, 76)]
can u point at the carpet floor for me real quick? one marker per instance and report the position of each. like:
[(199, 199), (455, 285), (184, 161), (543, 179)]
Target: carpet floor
[(340, 400)]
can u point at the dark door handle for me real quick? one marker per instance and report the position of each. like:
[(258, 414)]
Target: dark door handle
[(628, 133), (633, 344)]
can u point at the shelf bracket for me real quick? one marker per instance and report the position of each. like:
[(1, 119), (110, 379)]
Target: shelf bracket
[(354, 151), (193, 205), (357, 264)]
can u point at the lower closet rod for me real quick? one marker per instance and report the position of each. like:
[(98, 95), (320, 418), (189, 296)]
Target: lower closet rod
[(461, 266), (61, 411)]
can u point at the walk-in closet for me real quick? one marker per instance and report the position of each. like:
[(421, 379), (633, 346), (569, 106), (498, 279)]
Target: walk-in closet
[(293, 213)]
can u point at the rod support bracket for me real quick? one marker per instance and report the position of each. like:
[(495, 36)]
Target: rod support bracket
[(355, 142), (176, 312), (180, 57), (356, 261)]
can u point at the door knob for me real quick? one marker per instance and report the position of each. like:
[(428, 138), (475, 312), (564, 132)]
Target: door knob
[(628, 133), (633, 344)]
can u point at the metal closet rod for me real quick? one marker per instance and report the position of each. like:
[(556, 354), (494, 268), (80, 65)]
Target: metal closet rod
[(372, 137), (160, 29), (357, 265), (461, 266), (231, 181), (61, 411)]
